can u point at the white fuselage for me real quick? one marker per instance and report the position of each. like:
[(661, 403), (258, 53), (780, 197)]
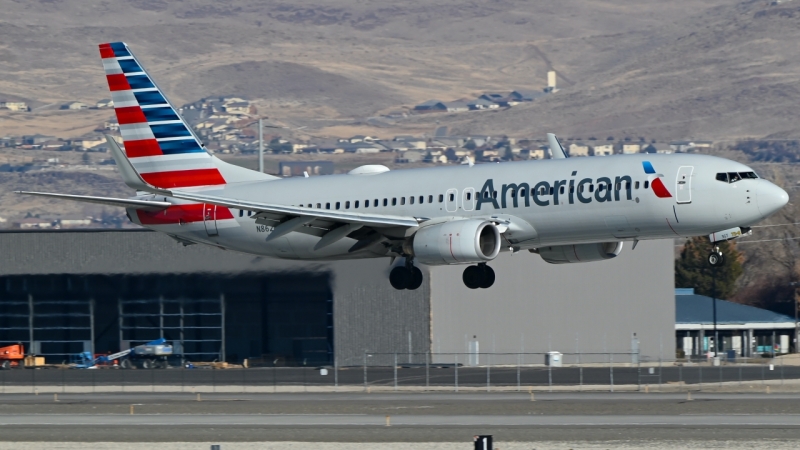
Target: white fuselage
[(568, 206)]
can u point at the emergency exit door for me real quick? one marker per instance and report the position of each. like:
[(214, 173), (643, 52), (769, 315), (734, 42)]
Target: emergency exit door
[(683, 184)]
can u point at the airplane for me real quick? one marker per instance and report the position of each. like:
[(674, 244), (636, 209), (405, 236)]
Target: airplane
[(566, 210)]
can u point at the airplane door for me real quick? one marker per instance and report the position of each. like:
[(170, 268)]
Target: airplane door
[(451, 200), (683, 184), (468, 202), (210, 219)]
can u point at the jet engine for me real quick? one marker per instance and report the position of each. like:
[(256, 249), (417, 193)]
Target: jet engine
[(455, 242), (563, 254)]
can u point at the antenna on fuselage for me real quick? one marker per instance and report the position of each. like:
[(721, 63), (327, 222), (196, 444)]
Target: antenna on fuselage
[(556, 149)]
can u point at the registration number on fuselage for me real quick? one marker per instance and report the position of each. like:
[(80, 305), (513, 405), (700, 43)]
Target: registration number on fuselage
[(264, 228)]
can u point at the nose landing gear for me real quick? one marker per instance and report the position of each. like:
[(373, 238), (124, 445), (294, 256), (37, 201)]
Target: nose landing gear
[(480, 276), (716, 258), (406, 277)]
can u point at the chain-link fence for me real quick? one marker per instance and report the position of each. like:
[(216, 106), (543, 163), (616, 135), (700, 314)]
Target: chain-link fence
[(417, 371)]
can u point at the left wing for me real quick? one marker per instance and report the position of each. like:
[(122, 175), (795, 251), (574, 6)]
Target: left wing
[(147, 205)]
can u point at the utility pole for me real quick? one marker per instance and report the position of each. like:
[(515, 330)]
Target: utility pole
[(261, 145), (794, 285), (714, 303)]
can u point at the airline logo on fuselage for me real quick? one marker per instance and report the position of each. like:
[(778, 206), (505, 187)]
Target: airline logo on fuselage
[(585, 190)]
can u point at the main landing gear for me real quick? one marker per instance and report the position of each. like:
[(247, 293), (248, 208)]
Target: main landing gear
[(480, 276), (715, 258), (406, 277)]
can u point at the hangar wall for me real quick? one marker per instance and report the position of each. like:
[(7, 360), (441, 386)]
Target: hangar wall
[(536, 307), (368, 315)]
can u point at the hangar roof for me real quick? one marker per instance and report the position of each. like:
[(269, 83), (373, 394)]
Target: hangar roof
[(694, 311)]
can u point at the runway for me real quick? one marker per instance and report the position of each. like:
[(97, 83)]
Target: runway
[(574, 417), (365, 420)]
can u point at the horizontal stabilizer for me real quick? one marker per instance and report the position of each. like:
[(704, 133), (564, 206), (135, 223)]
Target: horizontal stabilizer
[(147, 205)]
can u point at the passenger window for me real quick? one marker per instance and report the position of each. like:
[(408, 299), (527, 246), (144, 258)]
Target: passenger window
[(452, 197), (430, 199), (522, 192), (441, 198), (636, 185), (562, 189), (513, 193), (241, 213), (327, 206), (722, 176), (402, 200), (386, 202), (580, 188), (469, 196), (572, 189), (551, 191), (319, 205), (600, 187), (627, 185), (494, 194), (356, 204), (394, 201), (646, 184), (347, 205), (421, 199), (375, 203), (366, 204), (337, 205), (618, 186), (411, 200), (591, 188)]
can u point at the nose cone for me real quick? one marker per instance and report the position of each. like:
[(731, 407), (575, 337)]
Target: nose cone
[(770, 199)]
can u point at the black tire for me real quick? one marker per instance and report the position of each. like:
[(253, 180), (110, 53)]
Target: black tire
[(5, 365), (416, 279), (715, 259), (488, 276), (125, 364), (473, 277), (400, 278), (148, 364)]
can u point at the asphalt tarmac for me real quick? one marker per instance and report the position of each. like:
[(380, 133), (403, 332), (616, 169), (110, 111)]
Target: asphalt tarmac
[(588, 418)]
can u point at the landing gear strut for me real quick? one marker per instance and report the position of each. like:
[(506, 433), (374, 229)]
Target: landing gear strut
[(480, 276), (716, 258), (406, 277)]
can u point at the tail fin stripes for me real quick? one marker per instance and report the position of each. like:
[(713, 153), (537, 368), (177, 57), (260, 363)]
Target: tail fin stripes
[(158, 142)]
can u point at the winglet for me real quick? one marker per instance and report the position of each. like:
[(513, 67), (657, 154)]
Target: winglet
[(556, 149)]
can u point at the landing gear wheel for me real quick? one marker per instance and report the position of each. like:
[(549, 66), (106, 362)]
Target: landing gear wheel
[(715, 259), (400, 277), (416, 279), (473, 277), (488, 276)]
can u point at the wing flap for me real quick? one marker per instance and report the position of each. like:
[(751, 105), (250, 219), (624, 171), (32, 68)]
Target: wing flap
[(372, 220), (147, 205)]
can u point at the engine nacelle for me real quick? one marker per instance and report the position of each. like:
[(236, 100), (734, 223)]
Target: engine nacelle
[(456, 242), (564, 254)]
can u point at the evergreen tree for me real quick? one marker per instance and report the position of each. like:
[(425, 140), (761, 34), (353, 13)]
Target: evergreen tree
[(693, 271)]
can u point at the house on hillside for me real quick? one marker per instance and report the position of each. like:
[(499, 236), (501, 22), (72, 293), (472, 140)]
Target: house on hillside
[(482, 103), (75, 106), (658, 148), (13, 106), (431, 106), (457, 106), (630, 149), (603, 150), (526, 95), (578, 149)]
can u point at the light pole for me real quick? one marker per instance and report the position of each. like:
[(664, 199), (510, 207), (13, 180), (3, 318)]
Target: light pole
[(714, 307)]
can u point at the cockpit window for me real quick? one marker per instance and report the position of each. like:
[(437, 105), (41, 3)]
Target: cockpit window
[(733, 177)]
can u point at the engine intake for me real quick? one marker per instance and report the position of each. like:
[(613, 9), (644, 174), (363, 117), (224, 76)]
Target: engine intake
[(564, 254), (456, 242)]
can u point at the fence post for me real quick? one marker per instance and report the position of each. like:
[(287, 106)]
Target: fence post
[(427, 370), (365, 370), (611, 368), (638, 370), (519, 362), (456, 356), (488, 372), (549, 359), (336, 373), (700, 374), (395, 371)]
